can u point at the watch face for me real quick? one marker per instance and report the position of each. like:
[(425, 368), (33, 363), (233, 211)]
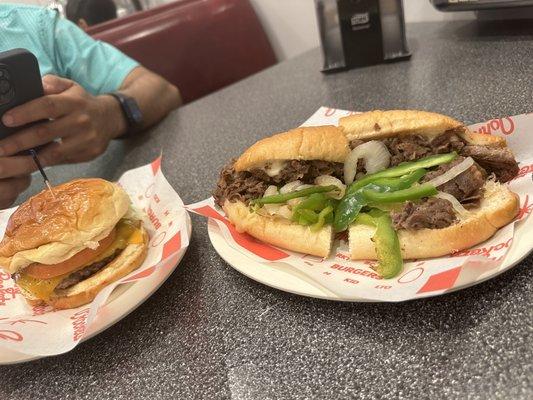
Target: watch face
[(135, 112)]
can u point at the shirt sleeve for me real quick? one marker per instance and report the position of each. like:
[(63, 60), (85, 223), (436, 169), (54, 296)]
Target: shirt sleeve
[(97, 66)]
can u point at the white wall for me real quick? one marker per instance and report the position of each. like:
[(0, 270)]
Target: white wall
[(292, 27)]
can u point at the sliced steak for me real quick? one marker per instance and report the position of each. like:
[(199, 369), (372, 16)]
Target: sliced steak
[(414, 147), (303, 170), (447, 142), (78, 276), (238, 186), (245, 186), (432, 213), (293, 171), (355, 142), (474, 200), (464, 186), (317, 168), (407, 148), (500, 161)]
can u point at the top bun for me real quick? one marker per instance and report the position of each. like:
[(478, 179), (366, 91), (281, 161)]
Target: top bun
[(326, 143), (383, 124), (50, 229)]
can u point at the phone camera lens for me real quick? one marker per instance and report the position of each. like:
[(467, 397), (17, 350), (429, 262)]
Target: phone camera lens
[(5, 86)]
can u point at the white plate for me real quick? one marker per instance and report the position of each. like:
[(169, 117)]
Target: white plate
[(117, 306), (282, 276)]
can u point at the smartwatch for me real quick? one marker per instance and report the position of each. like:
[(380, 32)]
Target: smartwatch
[(132, 113)]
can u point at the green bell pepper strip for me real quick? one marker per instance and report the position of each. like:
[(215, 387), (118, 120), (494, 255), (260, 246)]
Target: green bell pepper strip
[(315, 202), (387, 248), (399, 196), (403, 169), (282, 198), (386, 241), (365, 219), (307, 217), (381, 190), (403, 182), (347, 211), (322, 218)]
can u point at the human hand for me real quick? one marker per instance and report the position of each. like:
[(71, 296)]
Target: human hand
[(74, 125)]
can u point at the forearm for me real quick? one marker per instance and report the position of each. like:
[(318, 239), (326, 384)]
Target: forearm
[(155, 96)]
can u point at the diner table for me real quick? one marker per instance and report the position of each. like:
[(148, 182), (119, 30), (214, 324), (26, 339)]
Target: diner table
[(210, 332)]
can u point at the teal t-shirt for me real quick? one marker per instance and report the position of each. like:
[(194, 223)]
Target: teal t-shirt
[(62, 48)]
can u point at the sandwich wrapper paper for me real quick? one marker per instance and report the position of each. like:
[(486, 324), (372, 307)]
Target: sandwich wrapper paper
[(40, 331), (356, 280)]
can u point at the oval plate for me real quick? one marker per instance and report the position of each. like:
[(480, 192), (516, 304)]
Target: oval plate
[(284, 277), (117, 306)]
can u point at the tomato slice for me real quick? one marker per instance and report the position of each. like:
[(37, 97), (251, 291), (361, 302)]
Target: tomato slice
[(47, 271)]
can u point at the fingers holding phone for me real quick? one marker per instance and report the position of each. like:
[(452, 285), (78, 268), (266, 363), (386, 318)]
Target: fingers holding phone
[(71, 121)]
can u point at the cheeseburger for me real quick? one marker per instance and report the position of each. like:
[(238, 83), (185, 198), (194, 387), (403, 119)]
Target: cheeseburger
[(63, 247), (403, 184)]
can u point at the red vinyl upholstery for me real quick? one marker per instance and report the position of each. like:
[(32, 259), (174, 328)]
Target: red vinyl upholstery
[(199, 45)]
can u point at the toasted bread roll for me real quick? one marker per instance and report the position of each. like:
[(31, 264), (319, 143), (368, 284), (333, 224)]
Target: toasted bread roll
[(378, 124), (498, 207), (327, 143), (280, 232)]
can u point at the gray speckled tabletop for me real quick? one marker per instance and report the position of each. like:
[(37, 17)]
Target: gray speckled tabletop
[(220, 335)]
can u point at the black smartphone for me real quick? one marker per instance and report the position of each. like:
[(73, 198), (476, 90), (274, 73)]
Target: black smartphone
[(20, 82)]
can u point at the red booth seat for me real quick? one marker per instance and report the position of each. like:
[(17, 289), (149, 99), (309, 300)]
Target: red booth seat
[(199, 45)]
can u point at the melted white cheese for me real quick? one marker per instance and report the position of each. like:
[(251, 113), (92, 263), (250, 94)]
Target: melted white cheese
[(274, 167)]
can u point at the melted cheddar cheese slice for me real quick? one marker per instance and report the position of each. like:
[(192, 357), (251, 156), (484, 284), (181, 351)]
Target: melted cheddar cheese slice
[(127, 233)]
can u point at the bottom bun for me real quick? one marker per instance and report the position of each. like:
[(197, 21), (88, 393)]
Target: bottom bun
[(498, 207), (280, 232), (85, 291)]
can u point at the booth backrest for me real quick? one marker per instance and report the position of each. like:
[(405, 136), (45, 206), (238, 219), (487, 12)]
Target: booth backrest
[(199, 45)]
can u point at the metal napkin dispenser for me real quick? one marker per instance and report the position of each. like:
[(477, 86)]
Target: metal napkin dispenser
[(355, 33)]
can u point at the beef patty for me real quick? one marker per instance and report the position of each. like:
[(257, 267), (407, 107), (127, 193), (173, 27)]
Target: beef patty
[(86, 272)]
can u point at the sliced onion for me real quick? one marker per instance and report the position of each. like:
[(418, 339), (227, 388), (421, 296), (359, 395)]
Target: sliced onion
[(458, 207), (290, 187), (375, 155), (294, 202), (284, 212), (327, 180), (271, 191), (452, 172), (271, 208)]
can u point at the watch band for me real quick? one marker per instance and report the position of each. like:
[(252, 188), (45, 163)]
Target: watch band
[(131, 111)]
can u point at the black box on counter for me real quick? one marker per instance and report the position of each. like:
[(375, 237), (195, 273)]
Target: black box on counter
[(356, 33)]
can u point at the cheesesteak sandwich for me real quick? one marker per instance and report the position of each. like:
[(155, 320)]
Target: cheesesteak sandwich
[(404, 184), (63, 247)]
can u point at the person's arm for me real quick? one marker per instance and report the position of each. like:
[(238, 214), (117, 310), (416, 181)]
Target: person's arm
[(84, 123), (77, 110), (154, 95)]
